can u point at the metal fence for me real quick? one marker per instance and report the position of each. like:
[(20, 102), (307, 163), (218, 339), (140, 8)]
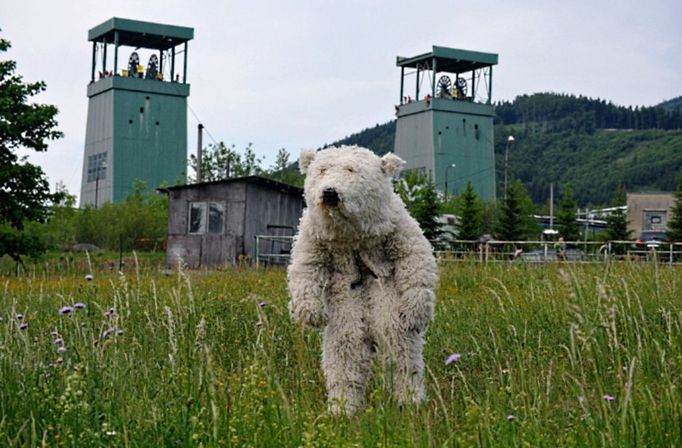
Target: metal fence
[(275, 250), (272, 250), (550, 251)]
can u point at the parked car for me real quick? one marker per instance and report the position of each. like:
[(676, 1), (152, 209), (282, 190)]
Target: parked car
[(538, 256), (651, 238)]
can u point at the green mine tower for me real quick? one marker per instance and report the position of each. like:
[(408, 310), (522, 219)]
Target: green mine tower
[(137, 114), (445, 128)]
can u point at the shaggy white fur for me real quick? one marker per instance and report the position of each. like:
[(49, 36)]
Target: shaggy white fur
[(362, 269)]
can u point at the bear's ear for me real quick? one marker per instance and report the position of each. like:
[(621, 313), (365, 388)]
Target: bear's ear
[(391, 164), (304, 160)]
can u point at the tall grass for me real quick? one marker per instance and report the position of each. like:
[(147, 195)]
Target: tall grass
[(556, 355)]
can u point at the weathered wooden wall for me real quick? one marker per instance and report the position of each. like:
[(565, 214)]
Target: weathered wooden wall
[(267, 207), (251, 206)]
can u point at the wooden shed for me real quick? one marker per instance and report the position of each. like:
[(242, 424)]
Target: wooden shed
[(215, 223)]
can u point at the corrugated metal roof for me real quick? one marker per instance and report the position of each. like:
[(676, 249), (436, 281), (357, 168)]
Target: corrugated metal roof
[(264, 181), (452, 60), (136, 33)]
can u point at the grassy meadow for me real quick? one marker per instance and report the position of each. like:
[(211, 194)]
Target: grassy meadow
[(554, 355)]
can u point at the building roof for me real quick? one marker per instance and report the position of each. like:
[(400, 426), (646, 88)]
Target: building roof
[(136, 33), (259, 180), (450, 60)]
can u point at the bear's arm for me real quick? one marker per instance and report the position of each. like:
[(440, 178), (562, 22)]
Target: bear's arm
[(415, 275), (308, 275)]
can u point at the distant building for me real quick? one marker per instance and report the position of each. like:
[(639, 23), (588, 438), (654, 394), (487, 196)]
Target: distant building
[(649, 211), (137, 110), (215, 223), (445, 125)]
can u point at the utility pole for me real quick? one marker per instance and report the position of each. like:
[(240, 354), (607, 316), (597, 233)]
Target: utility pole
[(199, 151), (551, 205), (452, 165), (100, 167), (510, 140)]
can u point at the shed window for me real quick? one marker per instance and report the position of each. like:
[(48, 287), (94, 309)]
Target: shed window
[(206, 217), (216, 212), (197, 217)]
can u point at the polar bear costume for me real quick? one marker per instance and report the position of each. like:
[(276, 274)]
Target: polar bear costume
[(362, 270)]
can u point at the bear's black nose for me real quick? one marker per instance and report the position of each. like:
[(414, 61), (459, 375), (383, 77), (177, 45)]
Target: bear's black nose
[(330, 197)]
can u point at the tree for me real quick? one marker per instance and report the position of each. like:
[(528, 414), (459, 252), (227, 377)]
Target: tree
[(219, 161), (617, 221), (515, 217), (283, 171), (470, 213), (567, 221), (140, 221), (421, 199), (675, 223), (60, 229), (24, 189)]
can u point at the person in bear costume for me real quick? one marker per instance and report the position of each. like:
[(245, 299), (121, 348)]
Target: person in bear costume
[(362, 270)]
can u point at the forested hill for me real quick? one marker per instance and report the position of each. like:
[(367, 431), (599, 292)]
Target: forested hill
[(554, 112), (590, 143), (673, 104), (379, 139)]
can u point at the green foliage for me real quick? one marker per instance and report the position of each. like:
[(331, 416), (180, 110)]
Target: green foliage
[(219, 161), (24, 190), (284, 171), (567, 223), (420, 197), (59, 232), (672, 104), (379, 139), (515, 220), (674, 230), (140, 221), (17, 243), (223, 162), (560, 112), (617, 221), (594, 164), (470, 212), (198, 363)]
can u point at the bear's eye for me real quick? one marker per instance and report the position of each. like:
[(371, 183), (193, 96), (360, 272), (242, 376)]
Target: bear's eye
[(350, 170)]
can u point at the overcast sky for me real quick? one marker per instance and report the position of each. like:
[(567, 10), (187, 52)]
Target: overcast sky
[(299, 74)]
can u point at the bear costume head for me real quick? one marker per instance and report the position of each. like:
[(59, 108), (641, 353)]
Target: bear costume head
[(349, 191)]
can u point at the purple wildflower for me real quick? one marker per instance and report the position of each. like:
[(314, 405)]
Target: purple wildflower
[(61, 349), (609, 397), (262, 304), (79, 305), (109, 313), (452, 358), (54, 333), (119, 332), (259, 323), (58, 341), (23, 326), (88, 277), (65, 309), (107, 332), (20, 316), (510, 417)]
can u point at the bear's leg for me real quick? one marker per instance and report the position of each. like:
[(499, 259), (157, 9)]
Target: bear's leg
[(408, 384), (403, 363), (346, 361)]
